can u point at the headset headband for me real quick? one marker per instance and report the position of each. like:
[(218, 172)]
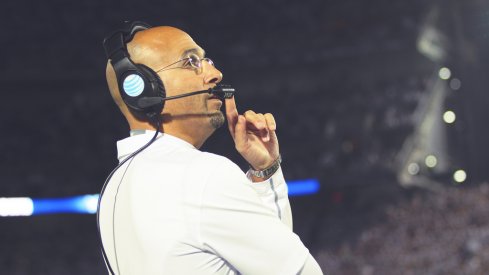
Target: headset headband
[(115, 43)]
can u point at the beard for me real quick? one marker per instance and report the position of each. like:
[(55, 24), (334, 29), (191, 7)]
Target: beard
[(217, 119)]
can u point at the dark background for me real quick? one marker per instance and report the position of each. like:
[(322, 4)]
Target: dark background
[(354, 87)]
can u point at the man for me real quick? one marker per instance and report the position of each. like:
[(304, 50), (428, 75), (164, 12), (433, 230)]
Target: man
[(173, 209)]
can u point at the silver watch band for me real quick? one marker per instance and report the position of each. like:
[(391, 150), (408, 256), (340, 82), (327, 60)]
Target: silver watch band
[(268, 171)]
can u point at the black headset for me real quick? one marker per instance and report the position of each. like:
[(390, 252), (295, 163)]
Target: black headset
[(140, 87)]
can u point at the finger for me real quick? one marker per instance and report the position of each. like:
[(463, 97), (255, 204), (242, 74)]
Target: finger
[(265, 135), (272, 126), (231, 115), (273, 137), (258, 122), (241, 139)]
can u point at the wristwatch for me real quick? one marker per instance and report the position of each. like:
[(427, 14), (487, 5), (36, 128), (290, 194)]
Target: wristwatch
[(265, 173)]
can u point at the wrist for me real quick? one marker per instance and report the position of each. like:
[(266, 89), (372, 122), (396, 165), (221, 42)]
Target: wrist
[(266, 173)]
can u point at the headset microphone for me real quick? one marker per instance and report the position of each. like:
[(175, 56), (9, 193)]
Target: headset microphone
[(222, 91)]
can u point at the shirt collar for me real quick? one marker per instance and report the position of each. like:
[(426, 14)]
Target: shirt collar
[(139, 138)]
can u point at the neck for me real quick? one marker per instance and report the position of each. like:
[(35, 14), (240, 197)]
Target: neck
[(197, 136)]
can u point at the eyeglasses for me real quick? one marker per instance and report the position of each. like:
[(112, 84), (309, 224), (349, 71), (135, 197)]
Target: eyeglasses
[(193, 61)]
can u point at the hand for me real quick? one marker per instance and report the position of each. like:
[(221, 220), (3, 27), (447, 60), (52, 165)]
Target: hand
[(254, 136)]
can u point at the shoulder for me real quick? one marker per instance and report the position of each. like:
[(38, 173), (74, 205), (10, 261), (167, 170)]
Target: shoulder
[(216, 169), (210, 159), (221, 166), (223, 178)]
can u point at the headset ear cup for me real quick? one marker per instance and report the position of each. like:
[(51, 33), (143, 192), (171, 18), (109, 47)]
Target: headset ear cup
[(157, 87), (154, 91)]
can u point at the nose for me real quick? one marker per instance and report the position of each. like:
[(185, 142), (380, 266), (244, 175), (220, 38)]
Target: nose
[(212, 74)]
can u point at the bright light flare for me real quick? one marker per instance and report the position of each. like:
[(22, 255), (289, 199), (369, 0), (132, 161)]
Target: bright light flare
[(459, 176), (449, 117), (444, 73), (16, 207), (413, 168), (87, 204), (431, 161), (303, 187)]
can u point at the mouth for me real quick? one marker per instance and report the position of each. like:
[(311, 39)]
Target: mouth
[(214, 97), (216, 102)]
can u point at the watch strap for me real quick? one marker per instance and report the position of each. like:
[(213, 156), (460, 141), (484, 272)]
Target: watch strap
[(267, 172)]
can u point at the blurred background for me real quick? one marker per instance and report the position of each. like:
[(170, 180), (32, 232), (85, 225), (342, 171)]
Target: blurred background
[(384, 102)]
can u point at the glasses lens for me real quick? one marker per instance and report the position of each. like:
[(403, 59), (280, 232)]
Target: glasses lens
[(209, 61), (194, 61)]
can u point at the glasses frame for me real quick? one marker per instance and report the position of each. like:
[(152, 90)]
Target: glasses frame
[(195, 65)]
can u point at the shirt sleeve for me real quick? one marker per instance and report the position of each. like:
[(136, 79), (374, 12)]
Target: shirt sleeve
[(311, 267), (273, 193), (237, 226)]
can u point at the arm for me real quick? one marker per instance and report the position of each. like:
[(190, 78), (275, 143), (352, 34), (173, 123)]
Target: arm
[(271, 244), (311, 267), (255, 139), (273, 193), (239, 228)]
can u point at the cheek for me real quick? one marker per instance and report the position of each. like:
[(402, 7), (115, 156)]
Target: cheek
[(187, 104), (176, 85)]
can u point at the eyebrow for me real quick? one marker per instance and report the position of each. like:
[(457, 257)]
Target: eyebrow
[(196, 51)]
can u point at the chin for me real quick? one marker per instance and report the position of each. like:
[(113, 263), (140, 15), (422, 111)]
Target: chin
[(217, 119)]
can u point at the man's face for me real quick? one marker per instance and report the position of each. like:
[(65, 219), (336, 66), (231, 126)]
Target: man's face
[(200, 110)]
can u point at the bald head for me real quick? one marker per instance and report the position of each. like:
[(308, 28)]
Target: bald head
[(155, 47)]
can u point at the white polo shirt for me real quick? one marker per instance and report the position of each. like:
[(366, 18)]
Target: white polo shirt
[(173, 209)]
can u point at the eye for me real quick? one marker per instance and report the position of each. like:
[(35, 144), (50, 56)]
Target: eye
[(187, 63), (194, 61)]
